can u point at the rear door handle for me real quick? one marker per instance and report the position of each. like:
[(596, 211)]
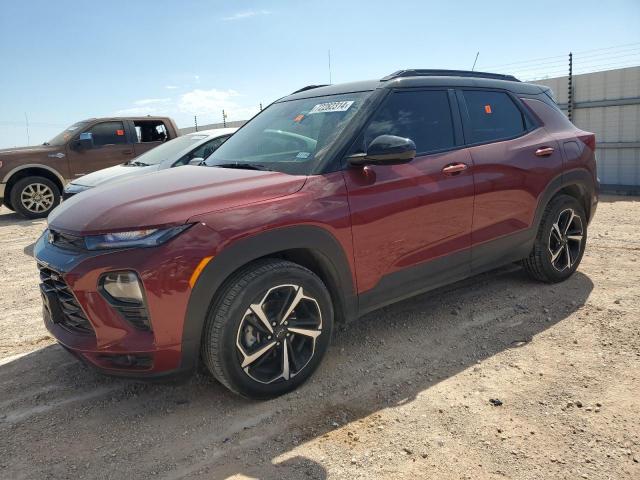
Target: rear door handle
[(454, 169), (544, 151)]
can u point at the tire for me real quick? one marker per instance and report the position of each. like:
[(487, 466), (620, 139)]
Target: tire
[(234, 336), (34, 197), (7, 203), (560, 241)]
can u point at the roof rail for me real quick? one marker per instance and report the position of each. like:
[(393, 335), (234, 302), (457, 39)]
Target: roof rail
[(421, 72), (309, 87)]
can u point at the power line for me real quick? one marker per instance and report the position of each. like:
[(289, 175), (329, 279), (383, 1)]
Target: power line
[(555, 57)]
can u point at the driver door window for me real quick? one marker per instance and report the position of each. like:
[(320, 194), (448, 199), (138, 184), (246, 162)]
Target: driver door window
[(108, 133), (423, 116)]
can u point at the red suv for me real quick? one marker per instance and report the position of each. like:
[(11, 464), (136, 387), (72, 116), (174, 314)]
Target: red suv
[(332, 202)]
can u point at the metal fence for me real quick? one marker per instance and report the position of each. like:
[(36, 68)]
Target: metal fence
[(608, 104)]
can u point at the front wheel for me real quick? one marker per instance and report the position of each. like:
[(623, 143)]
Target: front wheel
[(268, 329), (560, 241), (34, 197)]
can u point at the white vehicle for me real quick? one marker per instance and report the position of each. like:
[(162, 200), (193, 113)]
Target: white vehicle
[(189, 149)]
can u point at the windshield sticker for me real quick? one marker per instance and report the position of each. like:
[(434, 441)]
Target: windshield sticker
[(299, 118), (331, 107), (303, 155)]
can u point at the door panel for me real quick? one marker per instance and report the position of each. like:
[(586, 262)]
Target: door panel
[(112, 146), (509, 180), (412, 222), (405, 215), (511, 170)]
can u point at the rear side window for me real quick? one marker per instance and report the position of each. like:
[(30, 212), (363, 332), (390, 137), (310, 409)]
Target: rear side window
[(150, 131), (108, 133), (423, 116), (493, 116)]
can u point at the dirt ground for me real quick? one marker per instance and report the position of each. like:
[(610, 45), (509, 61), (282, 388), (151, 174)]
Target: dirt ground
[(403, 393)]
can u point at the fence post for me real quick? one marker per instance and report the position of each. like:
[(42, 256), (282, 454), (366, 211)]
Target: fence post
[(570, 89)]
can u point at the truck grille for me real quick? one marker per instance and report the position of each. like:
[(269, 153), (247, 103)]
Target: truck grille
[(72, 318)]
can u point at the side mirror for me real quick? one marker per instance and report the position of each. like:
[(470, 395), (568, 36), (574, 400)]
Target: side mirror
[(196, 161), (386, 150), (86, 140)]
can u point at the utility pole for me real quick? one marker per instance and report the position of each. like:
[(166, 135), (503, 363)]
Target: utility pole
[(260, 106), (195, 120), (570, 89), (26, 119), (474, 62), (224, 119), (329, 66)]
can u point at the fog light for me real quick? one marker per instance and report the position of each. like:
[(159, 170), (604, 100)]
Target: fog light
[(123, 286), (123, 291)]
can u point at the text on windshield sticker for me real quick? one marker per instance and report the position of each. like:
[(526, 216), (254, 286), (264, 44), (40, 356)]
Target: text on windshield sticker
[(331, 107)]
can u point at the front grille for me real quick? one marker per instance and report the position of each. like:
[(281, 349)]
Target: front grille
[(66, 241), (72, 318)]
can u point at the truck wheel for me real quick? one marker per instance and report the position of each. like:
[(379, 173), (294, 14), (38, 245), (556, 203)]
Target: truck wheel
[(560, 241), (34, 197), (268, 329)]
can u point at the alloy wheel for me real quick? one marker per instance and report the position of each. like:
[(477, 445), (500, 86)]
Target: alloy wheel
[(565, 240), (277, 336), (37, 197)]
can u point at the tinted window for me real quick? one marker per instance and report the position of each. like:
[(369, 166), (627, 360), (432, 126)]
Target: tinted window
[(422, 116), (108, 133), (493, 116), (203, 151)]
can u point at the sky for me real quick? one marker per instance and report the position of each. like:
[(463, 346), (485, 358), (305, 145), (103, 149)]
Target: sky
[(63, 61)]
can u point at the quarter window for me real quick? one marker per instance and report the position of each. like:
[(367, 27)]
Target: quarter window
[(423, 116), (493, 116), (108, 133)]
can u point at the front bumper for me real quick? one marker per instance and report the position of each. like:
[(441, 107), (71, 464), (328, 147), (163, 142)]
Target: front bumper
[(108, 341)]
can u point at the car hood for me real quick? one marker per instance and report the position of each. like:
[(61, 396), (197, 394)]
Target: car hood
[(168, 197), (34, 150), (119, 172)]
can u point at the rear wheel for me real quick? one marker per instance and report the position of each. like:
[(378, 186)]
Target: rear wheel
[(269, 329), (34, 197), (560, 241)]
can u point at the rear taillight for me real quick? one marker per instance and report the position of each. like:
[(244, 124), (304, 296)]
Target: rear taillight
[(589, 140)]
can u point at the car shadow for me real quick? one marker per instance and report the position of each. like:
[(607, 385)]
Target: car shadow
[(7, 217), (197, 427)]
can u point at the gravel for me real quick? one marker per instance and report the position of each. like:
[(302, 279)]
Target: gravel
[(403, 392)]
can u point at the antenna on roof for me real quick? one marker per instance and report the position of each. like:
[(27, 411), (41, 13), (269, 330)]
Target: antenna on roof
[(474, 62)]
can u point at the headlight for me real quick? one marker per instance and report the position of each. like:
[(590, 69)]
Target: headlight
[(73, 188), (133, 238)]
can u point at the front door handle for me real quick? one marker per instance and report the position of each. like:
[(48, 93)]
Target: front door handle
[(454, 169), (544, 152)]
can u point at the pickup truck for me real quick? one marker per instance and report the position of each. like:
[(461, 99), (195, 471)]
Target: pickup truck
[(32, 178)]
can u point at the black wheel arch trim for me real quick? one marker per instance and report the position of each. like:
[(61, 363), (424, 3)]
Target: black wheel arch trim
[(319, 242), (578, 177)]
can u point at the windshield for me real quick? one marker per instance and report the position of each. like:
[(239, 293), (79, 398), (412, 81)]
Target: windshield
[(66, 134), (170, 150), (289, 137)]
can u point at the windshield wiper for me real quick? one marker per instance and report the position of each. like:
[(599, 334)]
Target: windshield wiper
[(46, 143), (138, 163), (244, 166)]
